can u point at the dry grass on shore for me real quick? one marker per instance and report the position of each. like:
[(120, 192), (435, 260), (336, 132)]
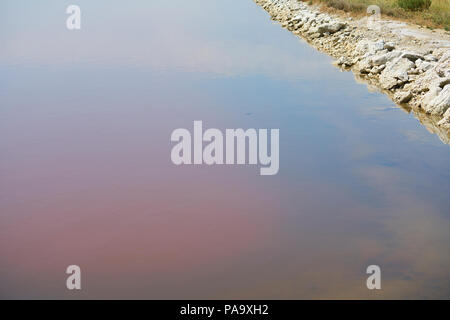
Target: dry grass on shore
[(436, 16)]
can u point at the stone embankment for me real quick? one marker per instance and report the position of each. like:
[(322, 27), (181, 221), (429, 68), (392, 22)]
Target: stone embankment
[(409, 63)]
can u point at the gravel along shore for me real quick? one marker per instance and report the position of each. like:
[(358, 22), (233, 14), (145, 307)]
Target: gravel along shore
[(409, 63)]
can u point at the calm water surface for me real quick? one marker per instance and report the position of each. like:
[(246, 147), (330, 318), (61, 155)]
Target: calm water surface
[(86, 176)]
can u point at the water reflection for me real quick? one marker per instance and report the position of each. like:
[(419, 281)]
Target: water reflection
[(86, 176)]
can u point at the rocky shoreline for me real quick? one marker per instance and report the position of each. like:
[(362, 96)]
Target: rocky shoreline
[(409, 63)]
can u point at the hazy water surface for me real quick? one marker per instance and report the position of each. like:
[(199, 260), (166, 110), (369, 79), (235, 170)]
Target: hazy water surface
[(86, 177)]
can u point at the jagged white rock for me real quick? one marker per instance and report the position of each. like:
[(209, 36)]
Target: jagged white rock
[(411, 64)]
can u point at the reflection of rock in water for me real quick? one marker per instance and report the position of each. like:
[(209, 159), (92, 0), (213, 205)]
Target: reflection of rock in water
[(429, 121)]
